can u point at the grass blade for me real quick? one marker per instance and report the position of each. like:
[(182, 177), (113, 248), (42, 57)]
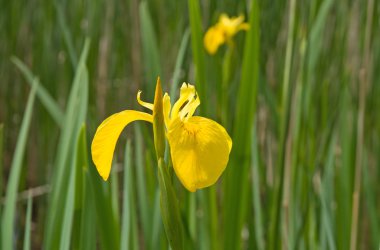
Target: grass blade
[(66, 34), (169, 208), (275, 231), (107, 224), (65, 238), (28, 223), (327, 194), (8, 217), (126, 216), (84, 201), (156, 220), (344, 175), (1, 162), (88, 224), (46, 99), (74, 117), (198, 51), (236, 177), (178, 65), (114, 193), (75, 192), (369, 183), (150, 48), (256, 193), (315, 40), (143, 199)]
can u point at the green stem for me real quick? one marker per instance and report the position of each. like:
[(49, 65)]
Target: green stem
[(169, 208)]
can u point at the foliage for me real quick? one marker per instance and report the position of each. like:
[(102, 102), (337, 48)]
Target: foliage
[(300, 99)]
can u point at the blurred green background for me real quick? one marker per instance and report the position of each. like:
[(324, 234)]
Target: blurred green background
[(303, 103)]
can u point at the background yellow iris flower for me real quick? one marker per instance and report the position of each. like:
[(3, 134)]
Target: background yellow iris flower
[(223, 31)]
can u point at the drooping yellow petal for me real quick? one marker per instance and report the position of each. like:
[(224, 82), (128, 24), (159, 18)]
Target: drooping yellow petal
[(105, 138), (200, 150), (213, 38)]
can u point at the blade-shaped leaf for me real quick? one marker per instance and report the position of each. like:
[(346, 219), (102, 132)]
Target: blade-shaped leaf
[(8, 217)]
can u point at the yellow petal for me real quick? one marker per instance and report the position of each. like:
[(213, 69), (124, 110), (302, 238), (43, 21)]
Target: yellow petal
[(104, 142), (213, 38), (232, 25), (167, 108), (200, 150), (244, 26), (187, 103), (142, 103)]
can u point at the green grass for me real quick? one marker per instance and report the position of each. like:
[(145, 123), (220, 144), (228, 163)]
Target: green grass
[(298, 94)]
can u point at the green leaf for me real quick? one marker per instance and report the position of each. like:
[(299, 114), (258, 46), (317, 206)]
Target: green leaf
[(84, 201), (327, 197), (66, 34), (369, 185), (1, 162), (107, 224), (28, 223), (74, 200), (142, 194), (156, 220), (74, 118), (8, 217), (174, 90), (127, 202), (46, 99), (236, 177), (151, 56), (198, 51), (87, 239), (259, 231), (169, 208), (68, 214)]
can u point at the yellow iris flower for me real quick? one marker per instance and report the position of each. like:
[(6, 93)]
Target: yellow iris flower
[(199, 147), (223, 31)]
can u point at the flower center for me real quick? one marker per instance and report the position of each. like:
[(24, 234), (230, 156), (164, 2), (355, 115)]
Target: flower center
[(187, 103)]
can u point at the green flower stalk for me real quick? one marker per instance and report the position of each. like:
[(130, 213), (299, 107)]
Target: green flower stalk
[(168, 200)]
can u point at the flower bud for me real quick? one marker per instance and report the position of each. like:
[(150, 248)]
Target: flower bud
[(158, 122)]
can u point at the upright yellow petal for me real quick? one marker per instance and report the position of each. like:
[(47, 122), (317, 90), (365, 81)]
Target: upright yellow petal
[(104, 142), (167, 109), (232, 25), (187, 103), (200, 150)]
